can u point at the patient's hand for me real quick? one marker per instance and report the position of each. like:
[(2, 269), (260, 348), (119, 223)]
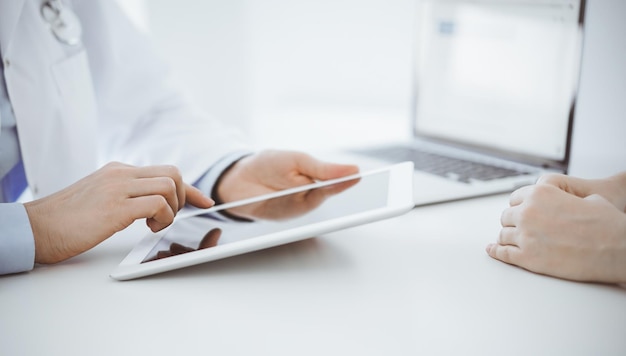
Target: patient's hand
[(612, 188), (568, 228)]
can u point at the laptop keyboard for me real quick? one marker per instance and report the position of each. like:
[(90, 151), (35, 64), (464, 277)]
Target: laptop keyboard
[(445, 166)]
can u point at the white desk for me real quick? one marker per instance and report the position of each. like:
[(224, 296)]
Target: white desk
[(417, 284)]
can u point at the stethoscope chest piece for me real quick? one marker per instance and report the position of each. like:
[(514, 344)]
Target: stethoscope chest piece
[(64, 24)]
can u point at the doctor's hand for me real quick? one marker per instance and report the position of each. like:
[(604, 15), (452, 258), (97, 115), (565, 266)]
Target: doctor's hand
[(270, 171), (91, 210), (567, 227)]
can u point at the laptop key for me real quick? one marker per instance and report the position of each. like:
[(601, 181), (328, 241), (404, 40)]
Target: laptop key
[(444, 166)]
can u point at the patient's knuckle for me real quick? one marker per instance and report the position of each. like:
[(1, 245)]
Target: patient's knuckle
[(543, 189), (503, 254), (539, 193), (503, 217), (527, 214), (545, 178)]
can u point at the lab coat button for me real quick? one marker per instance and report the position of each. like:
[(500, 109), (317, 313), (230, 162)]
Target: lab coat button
[(7, 63)]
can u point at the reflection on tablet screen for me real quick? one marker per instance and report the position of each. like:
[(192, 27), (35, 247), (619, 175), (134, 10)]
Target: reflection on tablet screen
[(272, 215)]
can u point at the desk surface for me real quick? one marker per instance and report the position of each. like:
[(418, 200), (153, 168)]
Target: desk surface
[(419, 284), (416, 284)]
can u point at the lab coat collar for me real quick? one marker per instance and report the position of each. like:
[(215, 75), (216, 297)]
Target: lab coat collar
[(11, 12)]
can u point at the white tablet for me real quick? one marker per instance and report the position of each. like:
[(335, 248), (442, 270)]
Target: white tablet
[(200, 236)]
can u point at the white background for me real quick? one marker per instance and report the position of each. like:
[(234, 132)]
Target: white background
[(309, 74)]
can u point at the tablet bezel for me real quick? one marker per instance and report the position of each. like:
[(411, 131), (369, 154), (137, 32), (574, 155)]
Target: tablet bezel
[(399, 201)]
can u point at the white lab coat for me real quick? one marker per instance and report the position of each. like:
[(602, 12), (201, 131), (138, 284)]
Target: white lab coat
[(108, 98)]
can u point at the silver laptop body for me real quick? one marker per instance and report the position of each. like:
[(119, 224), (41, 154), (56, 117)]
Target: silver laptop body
[(495, 86)]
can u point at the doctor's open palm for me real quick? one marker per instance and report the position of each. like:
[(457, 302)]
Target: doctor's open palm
[(271, 171), (91, 210)]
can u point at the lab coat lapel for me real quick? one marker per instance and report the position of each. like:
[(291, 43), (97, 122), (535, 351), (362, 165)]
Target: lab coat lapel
[(11, 11), (51, 92)]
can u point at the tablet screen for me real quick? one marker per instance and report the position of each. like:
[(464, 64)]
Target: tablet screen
[(272, 215)]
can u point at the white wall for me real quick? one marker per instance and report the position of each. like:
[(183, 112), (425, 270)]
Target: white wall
[(348, 53), (206, 42), (599, 142), (249, 62)]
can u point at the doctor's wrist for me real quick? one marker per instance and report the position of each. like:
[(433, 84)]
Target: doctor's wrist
[(215, 195)]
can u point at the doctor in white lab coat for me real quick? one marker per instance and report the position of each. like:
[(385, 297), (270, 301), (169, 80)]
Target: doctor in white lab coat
[(85, 88)]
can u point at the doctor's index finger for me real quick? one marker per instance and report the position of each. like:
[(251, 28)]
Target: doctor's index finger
[(197, 198)]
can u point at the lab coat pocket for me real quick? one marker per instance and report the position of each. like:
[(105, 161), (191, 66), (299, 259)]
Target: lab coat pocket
[(73, 79), (77, 119)]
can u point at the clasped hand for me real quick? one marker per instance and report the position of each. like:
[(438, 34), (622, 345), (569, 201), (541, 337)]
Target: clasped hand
[(567, 227)]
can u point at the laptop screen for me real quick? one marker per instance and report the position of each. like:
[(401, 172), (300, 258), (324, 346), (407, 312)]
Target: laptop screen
[(498, 74)]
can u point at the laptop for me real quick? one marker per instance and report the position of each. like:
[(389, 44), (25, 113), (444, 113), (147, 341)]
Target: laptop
[(495, 86)]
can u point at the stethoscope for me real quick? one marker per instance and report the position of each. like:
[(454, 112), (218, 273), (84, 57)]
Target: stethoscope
[(63, 22)]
